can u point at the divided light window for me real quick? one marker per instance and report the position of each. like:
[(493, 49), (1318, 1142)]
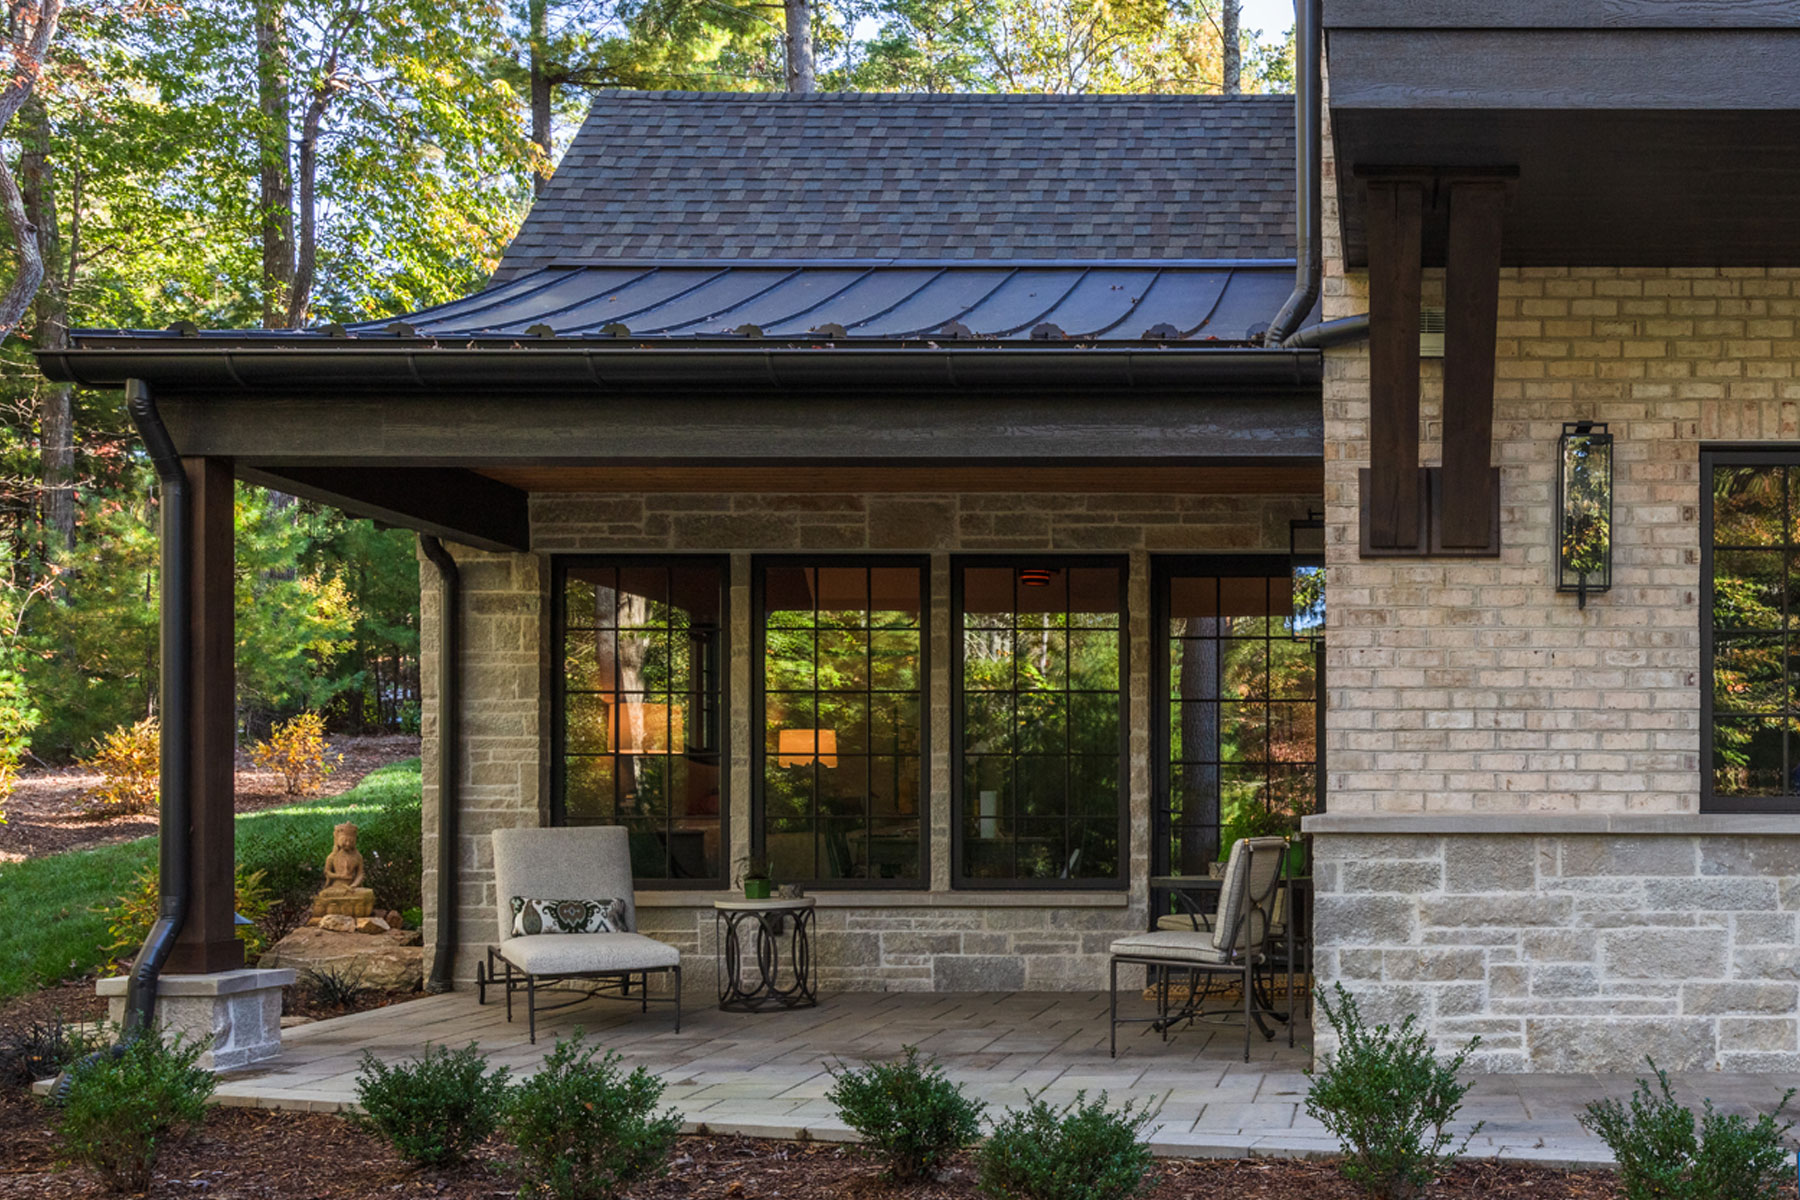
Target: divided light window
[(638, 697), (841, 671), (1040, 709), (1751, 642)]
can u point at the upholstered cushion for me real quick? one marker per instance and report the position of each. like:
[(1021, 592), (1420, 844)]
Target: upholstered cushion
[(533, 916), (1203, 923), (582, 953), (1172, 945), (1247, 894), (575, 860)]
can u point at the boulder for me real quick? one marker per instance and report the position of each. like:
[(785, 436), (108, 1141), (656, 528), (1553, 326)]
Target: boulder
[(372, 925), (380, 962), (406, 937), (337, 923), (393, 918)]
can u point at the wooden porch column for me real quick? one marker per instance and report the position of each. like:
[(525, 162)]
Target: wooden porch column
[(1393, 505), (208, 941), (1469, 509)]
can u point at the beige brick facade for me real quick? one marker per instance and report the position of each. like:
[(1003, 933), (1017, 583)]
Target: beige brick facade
[(926, 939), (1514, 847)]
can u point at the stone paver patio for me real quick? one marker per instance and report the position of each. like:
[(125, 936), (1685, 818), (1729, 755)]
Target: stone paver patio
[(766, 1074)]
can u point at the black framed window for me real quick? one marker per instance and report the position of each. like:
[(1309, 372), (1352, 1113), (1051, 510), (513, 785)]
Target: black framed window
[(841, 675), (1040, 683), (639, 701), (1239, 723), (1750, 636)]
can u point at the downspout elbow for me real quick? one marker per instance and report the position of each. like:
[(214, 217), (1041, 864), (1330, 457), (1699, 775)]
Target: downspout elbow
[(449, 702), (1309, 254)]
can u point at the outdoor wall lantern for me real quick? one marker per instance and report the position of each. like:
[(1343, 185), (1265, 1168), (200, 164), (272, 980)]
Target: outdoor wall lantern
[(1584, 503), (1306, 573)]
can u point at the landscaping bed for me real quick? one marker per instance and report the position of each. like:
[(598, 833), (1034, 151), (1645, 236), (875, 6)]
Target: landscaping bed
[(310, 1156)]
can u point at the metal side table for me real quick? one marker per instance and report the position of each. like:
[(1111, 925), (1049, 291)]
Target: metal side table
[(756, 973)]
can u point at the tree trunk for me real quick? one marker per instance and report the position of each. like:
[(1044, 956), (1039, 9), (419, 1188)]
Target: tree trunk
[(307, 255), (56, 428), (1234, 51), (1197, 834), (799, 45), (275, 114), (540, 90)]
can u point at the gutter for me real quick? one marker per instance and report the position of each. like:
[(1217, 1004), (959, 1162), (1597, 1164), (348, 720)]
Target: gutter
[(174, 850), (449, 701), (105, 361), (1330, 333), (1309, 152)]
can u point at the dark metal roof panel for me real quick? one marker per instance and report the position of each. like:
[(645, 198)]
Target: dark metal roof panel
[(889, 301)]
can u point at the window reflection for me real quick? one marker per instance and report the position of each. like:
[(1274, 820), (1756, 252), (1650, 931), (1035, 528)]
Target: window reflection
[(841, 649), (641, 701), (1242, 714), (1755, 727), (1042, 776)]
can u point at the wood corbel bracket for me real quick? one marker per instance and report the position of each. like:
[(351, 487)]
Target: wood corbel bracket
[(1409, 510)]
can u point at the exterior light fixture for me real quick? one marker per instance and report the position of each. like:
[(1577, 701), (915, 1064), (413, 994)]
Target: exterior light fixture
[(1034, 576), (1306, 574), (1584, 503)]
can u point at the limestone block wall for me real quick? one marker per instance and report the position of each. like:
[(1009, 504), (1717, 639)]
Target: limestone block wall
[(926, 939), (1579, 950)]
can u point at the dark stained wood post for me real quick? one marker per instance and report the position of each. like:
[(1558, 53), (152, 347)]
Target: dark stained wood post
[(208, 941), (1393, 513), (1469, 514)]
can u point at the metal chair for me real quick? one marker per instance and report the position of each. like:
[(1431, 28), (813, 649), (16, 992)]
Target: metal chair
[(1236, 944), (592, 862)]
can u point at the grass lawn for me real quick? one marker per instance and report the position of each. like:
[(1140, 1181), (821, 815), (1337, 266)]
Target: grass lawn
[(54, 928)]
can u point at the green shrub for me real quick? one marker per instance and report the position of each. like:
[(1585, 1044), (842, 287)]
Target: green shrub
[(123, 1108), (1387, 1098), (1081, 1151), (583, 1130), (907, 1113), (393, 853), (1662, 1156), (433, 1109)]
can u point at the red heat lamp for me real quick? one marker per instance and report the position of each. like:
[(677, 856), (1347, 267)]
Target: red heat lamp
[(1034, 576)]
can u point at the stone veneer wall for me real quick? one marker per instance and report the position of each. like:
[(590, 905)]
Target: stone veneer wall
[(1459, 689), (931, 939)]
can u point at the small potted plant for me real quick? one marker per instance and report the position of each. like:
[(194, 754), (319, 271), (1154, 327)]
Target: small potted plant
[(757, 884)]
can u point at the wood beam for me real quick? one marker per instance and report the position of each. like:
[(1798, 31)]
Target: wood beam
[(1296, 479), (446, 502), (1393, 509), (1467, 516), (208, 941)]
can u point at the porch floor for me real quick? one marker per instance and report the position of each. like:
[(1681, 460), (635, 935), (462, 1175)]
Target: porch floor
[(766, 1074)]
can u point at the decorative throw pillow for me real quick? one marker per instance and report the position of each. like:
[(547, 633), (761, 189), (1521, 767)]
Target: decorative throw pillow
[(532, 917)]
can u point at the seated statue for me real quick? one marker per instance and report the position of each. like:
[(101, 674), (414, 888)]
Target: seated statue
[(343, 892)]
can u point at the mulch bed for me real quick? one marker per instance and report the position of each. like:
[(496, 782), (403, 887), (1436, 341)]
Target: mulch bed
[(46, 813), (247, 1153)]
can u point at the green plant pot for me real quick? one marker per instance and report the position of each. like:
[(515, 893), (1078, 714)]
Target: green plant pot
[(756, 889)]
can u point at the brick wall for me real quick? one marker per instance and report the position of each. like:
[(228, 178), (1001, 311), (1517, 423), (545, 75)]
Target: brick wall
[(934, 939)]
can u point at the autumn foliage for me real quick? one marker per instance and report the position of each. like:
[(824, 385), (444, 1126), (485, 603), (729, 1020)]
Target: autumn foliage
[(127, 760), (296, 751)]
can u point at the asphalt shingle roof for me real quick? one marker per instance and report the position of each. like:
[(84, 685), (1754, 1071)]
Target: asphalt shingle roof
[(686, 175)]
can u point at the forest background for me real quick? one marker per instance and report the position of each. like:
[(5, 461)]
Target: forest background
[(290, 163)]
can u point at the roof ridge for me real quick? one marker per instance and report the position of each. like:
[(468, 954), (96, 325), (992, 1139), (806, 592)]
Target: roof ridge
[(944, 97)]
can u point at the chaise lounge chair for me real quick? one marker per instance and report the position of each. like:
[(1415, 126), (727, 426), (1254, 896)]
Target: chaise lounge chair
[(589, 864)]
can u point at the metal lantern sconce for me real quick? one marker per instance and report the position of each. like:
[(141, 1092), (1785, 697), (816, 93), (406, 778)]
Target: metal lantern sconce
[(1584, 509), (1306, 574)]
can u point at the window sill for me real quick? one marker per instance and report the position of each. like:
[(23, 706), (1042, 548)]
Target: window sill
[(907, 899)]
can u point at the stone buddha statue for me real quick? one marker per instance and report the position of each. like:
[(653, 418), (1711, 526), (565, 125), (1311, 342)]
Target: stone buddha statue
[(344, 893)]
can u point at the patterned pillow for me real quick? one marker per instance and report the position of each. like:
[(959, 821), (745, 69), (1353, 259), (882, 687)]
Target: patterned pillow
[(567, 916)]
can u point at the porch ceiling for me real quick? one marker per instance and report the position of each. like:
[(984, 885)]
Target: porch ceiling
[(1224, 479)]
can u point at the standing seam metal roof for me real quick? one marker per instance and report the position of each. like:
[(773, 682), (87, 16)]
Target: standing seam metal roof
[(746, 176)]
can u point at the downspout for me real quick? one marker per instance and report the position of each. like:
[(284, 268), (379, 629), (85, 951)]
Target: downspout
[(449, 702), (1309, 148), (175, 853), (1329, 333)]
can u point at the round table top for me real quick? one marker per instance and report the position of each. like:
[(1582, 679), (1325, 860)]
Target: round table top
[(772, 904)]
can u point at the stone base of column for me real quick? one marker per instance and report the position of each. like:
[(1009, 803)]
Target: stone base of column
[(237, 1013)]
